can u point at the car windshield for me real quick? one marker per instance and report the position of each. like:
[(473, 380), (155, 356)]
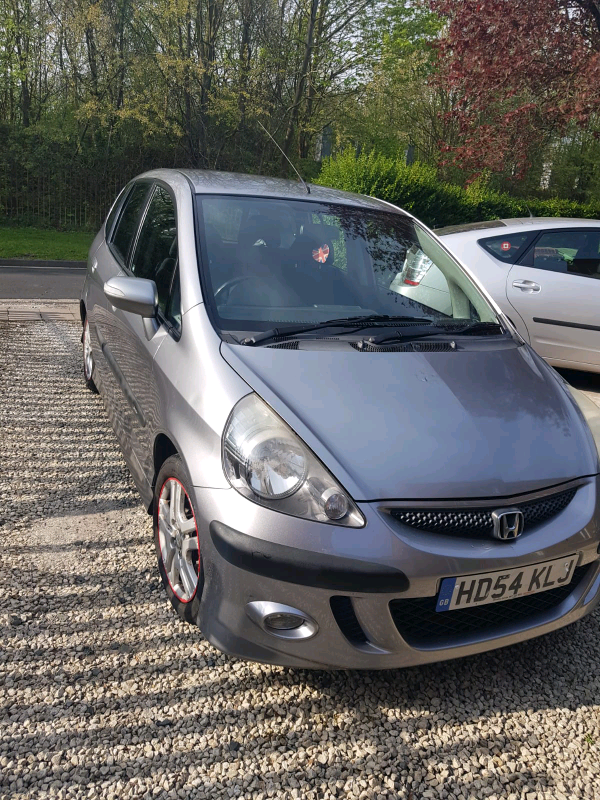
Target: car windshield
[(270, 262)]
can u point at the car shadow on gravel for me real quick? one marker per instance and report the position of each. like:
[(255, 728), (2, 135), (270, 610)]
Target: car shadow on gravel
[(88, 496), (202, 718), (558, 669), (393, 717)]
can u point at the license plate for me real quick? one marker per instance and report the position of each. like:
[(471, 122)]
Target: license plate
[(493, 587)]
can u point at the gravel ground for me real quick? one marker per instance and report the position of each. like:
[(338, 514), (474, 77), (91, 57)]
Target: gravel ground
[(106, 694)]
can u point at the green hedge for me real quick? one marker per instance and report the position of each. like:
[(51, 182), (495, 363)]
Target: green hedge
[(418, 190)]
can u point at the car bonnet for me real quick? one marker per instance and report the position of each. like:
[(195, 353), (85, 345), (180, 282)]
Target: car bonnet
[(467, 424)]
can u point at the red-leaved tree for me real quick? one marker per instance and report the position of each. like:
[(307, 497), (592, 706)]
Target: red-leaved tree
[(520, 71)]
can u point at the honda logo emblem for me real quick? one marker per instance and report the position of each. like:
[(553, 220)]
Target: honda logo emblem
[(508, 524)]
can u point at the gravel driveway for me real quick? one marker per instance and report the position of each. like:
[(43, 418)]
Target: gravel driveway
[(103, 693)]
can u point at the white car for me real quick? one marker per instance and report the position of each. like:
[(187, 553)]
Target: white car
[(543, 273)]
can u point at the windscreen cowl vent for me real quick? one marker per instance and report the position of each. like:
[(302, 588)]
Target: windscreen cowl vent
[(408, 347), (293, 345), (433, 347), (390, 348)]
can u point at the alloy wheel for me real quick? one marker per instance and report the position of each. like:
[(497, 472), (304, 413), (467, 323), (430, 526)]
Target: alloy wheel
[(88, 358), (178, 540)]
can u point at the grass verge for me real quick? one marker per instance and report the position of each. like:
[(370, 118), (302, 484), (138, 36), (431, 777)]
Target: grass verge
[(44, 244)]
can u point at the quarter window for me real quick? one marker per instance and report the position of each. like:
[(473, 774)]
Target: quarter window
[(576, 252), (128, 221), (155, 254), (507, 248)]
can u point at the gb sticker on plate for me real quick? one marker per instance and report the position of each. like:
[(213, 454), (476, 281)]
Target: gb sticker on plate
[(445, 595)]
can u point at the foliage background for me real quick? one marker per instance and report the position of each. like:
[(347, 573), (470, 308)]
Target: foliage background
[(418, 189), (489, 102)]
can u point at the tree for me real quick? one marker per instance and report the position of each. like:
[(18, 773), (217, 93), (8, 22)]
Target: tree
[(521, 73), (400, 108), (94, 91)]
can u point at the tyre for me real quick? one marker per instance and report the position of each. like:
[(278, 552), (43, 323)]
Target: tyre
[(89, 367), (177, 540)]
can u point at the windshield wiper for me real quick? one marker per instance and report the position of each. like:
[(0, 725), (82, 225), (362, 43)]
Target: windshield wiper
[(435, 330), (475, 327), (404, 336), (384, 319), (345, 322)]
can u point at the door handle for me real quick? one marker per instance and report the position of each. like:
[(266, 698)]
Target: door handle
[(527, 286)]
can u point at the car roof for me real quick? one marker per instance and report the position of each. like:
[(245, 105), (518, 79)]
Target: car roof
[(516, 224), (234, 183)]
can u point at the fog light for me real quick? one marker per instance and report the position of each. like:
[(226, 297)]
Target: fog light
[(335, 504), (283, 622)]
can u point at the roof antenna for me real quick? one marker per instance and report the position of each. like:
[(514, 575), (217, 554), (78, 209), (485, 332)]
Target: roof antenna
[(300, 178)]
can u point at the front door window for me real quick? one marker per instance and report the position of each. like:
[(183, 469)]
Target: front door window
[(569, 251), (155, 254)]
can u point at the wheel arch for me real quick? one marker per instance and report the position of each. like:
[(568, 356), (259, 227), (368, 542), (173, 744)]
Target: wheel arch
[(164, 448)]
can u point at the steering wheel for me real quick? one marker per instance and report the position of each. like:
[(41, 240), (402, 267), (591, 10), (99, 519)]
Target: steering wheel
[(228, 285)]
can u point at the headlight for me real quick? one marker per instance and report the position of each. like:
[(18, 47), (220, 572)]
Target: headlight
[(265, 461)]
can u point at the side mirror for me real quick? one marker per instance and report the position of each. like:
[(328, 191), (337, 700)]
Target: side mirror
[(136, 295)]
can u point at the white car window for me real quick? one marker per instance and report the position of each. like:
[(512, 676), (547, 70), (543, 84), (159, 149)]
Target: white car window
[(569, 251), (509, 247)]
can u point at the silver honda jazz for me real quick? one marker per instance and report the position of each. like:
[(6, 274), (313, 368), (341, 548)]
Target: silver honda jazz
[(339, 475)]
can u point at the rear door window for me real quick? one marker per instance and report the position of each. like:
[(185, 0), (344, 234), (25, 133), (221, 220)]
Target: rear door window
[(509, 247), (127, 225)]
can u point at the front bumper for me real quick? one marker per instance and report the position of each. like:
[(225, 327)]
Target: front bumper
[(344, 579)]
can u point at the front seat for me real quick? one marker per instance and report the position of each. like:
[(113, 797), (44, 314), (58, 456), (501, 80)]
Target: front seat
[(258, 256), (313, 270), (259, 231)]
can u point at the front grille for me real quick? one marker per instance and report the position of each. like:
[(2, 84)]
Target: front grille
[(419, 623), (345, 617), (477, 522)]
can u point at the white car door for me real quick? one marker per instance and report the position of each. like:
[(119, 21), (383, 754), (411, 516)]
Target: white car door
[(493, 268), (556, 289)]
